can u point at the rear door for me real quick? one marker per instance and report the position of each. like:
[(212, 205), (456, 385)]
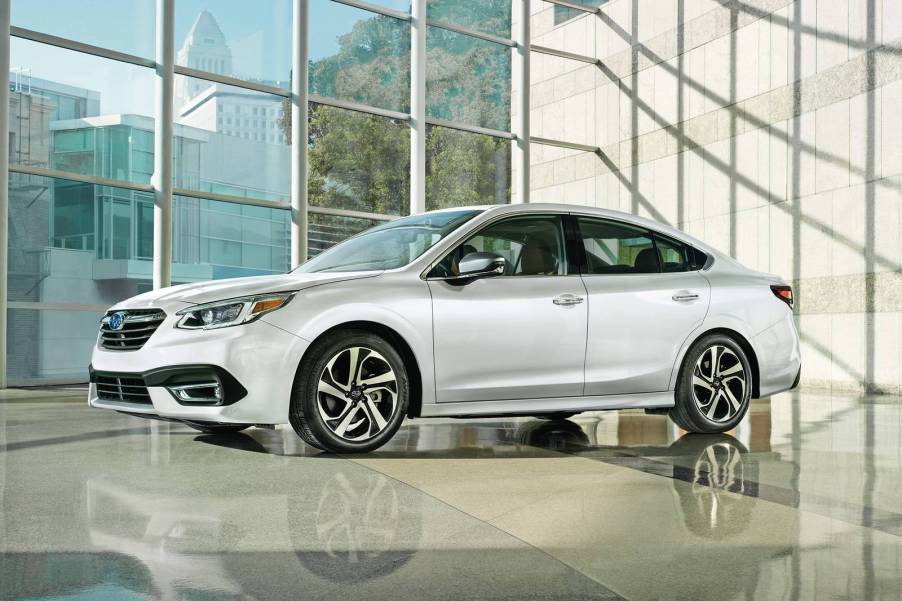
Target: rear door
[(645, 297)]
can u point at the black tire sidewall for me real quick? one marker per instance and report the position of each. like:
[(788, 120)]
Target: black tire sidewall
[(304, 398), (696, 420)]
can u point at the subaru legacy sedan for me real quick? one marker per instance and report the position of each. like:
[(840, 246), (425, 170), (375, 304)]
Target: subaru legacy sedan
[(541, 309)]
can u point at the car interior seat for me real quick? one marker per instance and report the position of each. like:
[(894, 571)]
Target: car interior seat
[(647, 261)]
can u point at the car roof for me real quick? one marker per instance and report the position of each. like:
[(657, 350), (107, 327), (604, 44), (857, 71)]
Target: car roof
[(555, 207), (489, 211)]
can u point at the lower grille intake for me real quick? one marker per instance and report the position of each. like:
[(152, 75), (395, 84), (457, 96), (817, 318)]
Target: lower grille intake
[(124, 388)]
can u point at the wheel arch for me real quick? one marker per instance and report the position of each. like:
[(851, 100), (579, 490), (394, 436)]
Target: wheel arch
[(743, 343), (401, 345)]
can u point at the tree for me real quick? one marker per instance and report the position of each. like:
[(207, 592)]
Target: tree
[(361, 162)]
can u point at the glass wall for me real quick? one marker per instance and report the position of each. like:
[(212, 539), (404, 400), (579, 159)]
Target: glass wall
[(83, 131), (214, 239), (74, 112), (467, 79), (73, 245), (358, 161), (239, 139), (486, 16), (362, 57), (465, 169)]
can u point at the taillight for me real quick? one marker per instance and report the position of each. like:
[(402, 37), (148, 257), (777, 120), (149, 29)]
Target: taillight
[(784, 293)]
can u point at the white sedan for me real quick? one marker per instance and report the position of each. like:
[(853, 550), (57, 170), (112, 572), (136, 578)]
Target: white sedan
[(539, 309)]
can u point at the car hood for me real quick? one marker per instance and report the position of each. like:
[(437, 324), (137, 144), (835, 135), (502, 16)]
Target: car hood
[(204, 292)]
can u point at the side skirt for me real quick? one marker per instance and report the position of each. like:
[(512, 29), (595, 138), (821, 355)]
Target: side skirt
[(550, 405)]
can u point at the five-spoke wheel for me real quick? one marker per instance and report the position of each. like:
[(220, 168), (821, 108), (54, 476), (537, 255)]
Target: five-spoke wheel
[(351, 392), (357, 393), (714, 387), (719, 383)]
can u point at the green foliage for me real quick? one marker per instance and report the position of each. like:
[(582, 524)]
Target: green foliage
[(467, 79), (465, 169), (358, 161), (372, 65), (361, 162), (488, 16)]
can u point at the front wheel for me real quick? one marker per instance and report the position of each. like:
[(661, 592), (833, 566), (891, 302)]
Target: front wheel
[(714, 388), (350, 394)]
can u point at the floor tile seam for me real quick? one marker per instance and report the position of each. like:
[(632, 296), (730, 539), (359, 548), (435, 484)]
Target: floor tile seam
[(495, 527)]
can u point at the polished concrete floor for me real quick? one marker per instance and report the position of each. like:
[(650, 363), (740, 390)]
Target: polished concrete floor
[(802, 501)]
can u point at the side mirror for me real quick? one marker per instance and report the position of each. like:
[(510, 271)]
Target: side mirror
[(480, 265)]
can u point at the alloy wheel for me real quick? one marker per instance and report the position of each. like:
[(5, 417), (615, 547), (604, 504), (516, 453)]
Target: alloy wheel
[(719, 384), (357, 393)]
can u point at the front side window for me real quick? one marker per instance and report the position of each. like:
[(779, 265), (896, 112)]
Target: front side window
[(614, 248), (391, 245), (531, 245)]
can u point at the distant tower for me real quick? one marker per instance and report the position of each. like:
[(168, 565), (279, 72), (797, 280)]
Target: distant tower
[(205, 48)]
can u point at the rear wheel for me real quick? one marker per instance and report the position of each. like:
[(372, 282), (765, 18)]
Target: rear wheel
[(350, 394), (217, 428), (714, 387)]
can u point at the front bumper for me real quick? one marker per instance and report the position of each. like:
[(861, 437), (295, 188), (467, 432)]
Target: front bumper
[(255, 363)]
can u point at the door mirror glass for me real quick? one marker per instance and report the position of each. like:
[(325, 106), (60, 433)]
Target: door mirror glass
[(480, 265)]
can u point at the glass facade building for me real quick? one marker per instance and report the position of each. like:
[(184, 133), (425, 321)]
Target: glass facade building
[(84, 127)]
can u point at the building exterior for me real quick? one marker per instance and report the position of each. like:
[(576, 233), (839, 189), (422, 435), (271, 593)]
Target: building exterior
[(766, 128), (204, 48), (233, 112), (74, 240)]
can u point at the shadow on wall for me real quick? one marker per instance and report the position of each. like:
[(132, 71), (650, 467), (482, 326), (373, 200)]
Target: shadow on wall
[(821, 216)]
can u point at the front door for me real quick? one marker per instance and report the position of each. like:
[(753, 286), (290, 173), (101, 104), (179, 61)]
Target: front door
[(514, 336)]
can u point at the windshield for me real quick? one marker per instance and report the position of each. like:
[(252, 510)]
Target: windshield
[(390, 245)]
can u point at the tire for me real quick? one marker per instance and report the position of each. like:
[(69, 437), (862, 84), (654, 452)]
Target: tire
[(331, 409), (217, 428), (556, 435), (718, 397)]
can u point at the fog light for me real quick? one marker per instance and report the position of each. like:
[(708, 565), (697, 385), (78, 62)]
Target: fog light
[(203, 392)]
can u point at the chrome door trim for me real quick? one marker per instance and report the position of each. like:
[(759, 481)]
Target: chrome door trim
[(551, 404)]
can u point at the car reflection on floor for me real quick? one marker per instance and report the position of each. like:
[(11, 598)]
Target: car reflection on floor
[(335, 523), (348, 534)]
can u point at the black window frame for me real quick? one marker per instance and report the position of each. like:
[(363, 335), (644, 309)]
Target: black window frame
[(578, 248), (571, 245)]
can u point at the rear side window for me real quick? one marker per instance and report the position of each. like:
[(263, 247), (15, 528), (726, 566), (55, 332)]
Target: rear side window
[(613, 248), (676, 256)]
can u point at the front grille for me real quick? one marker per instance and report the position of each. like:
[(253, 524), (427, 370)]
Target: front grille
[(137, 326), (129, 388)]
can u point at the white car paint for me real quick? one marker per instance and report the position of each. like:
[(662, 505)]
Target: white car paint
[(494, 346)]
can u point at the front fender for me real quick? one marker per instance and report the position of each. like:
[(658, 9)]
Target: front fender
[(402, 304)]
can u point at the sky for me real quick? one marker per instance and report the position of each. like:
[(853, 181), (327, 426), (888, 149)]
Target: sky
[(259, 34)]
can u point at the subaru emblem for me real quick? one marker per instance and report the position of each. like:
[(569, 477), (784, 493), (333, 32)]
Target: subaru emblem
[(117, 320)]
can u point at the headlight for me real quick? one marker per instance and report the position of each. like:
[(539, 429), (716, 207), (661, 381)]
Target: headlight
[(231, 312)]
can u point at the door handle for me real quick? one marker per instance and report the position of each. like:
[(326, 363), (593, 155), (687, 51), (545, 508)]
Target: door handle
[(567, 299), (684, 296)]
